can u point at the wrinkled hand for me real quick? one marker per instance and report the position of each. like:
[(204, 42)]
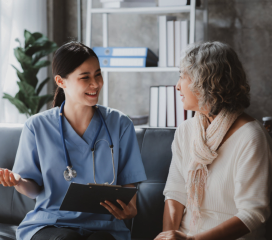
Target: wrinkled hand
[(129, 211), (8, 178), (173, 235)]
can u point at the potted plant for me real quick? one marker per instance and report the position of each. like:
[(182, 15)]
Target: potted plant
[(27, 99)]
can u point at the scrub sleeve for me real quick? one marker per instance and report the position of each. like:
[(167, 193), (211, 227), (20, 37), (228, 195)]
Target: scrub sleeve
[(131, 169), (27, 163)]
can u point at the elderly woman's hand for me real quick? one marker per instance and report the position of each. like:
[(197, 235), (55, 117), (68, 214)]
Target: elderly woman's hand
[(173, 235)]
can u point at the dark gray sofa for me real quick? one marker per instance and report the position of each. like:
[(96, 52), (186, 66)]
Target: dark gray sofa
[(155, 146)]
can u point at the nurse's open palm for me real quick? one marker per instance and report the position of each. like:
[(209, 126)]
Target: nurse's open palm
[(129, 211), (8, 178)]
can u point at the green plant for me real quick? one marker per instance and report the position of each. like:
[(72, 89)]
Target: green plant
[(27, 99)]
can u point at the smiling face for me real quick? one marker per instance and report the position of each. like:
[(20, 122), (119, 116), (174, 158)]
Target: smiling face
[(84, 84), (190, 101)]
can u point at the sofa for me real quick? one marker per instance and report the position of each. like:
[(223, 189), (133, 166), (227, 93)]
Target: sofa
[(155, 147)]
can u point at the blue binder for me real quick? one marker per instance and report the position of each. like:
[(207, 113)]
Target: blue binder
[(135, 52), (126, 62)]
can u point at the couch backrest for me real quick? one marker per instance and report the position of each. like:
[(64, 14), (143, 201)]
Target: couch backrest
[(13, 206), (155, 147)]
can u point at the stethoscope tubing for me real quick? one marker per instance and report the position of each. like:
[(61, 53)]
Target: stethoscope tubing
[(72, 173)]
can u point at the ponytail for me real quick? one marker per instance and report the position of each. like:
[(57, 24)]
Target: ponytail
[(59, 97)]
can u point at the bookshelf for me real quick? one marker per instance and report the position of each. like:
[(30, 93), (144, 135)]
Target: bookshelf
[(145, 10)]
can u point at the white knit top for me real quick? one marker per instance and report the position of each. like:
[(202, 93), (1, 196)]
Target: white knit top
[(239, 182)]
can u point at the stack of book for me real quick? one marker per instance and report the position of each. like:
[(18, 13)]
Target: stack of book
[(173, 40), (127, 3), (166, 107), (126, 57)]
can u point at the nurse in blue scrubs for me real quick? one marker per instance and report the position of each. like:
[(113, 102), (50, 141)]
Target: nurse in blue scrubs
[(40, 160)]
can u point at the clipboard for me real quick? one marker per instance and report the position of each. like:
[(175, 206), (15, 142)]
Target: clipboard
[(87, 198)]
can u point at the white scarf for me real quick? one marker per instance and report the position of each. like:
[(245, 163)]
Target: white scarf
[(206, 141)]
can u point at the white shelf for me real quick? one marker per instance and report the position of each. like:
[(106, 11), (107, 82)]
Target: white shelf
[(145, 69), (143, 10)]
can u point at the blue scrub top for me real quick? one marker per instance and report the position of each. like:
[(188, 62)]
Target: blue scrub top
[(40, 157)]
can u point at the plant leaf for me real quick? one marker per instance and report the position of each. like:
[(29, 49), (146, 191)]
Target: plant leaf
[(37, 35), (20, 95), (29, 39), (41, 64), (27, 89), (38, 45), (48, 48), (28, 76), (41, 101), (24, 60), (42, 85), (18, 104)]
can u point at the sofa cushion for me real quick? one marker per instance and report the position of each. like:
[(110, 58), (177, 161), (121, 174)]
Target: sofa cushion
[(7, 231), (155, 146), (14, 205)]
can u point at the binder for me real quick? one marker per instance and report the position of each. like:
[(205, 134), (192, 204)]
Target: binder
[(154, 103), (128, 4), (125, 52), (162, 107), (170, 109), (126, 62), (177, 43), (167, 3), (87, 198), (170, 43), (163, 39), (184, 34)]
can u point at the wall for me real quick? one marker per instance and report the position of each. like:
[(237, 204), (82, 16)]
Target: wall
[(244, 24)]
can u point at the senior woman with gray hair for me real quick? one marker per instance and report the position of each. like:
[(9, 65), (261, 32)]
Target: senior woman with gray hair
[(221, 164)]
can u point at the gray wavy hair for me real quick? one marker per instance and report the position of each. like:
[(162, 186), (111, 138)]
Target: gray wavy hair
[(217, 76)]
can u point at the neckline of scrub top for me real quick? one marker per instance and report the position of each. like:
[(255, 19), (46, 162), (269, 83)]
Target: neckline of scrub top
[(71, 135)]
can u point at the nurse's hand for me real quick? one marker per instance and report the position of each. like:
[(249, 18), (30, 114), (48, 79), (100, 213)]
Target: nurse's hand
[(129, 211), (8, 178), (173, 235)]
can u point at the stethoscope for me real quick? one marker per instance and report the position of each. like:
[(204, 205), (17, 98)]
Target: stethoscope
[(70, 173)]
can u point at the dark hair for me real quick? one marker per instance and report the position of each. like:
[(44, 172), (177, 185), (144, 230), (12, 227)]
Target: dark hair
[(217, 76), (66, 59)]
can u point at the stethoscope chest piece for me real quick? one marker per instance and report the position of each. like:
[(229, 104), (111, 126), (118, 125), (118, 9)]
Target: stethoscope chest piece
[(69, 173)]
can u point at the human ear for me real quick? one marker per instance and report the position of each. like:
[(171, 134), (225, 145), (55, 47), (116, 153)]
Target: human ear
[(60, 81)]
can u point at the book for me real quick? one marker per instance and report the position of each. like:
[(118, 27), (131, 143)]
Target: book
[(170, 44), (163, 39), (126, 62), (170, 106), (125, 52), (128, 4), (162, 107), (153, 107)]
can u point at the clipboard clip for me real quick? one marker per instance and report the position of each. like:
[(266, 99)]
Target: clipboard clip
[(104, 184)]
